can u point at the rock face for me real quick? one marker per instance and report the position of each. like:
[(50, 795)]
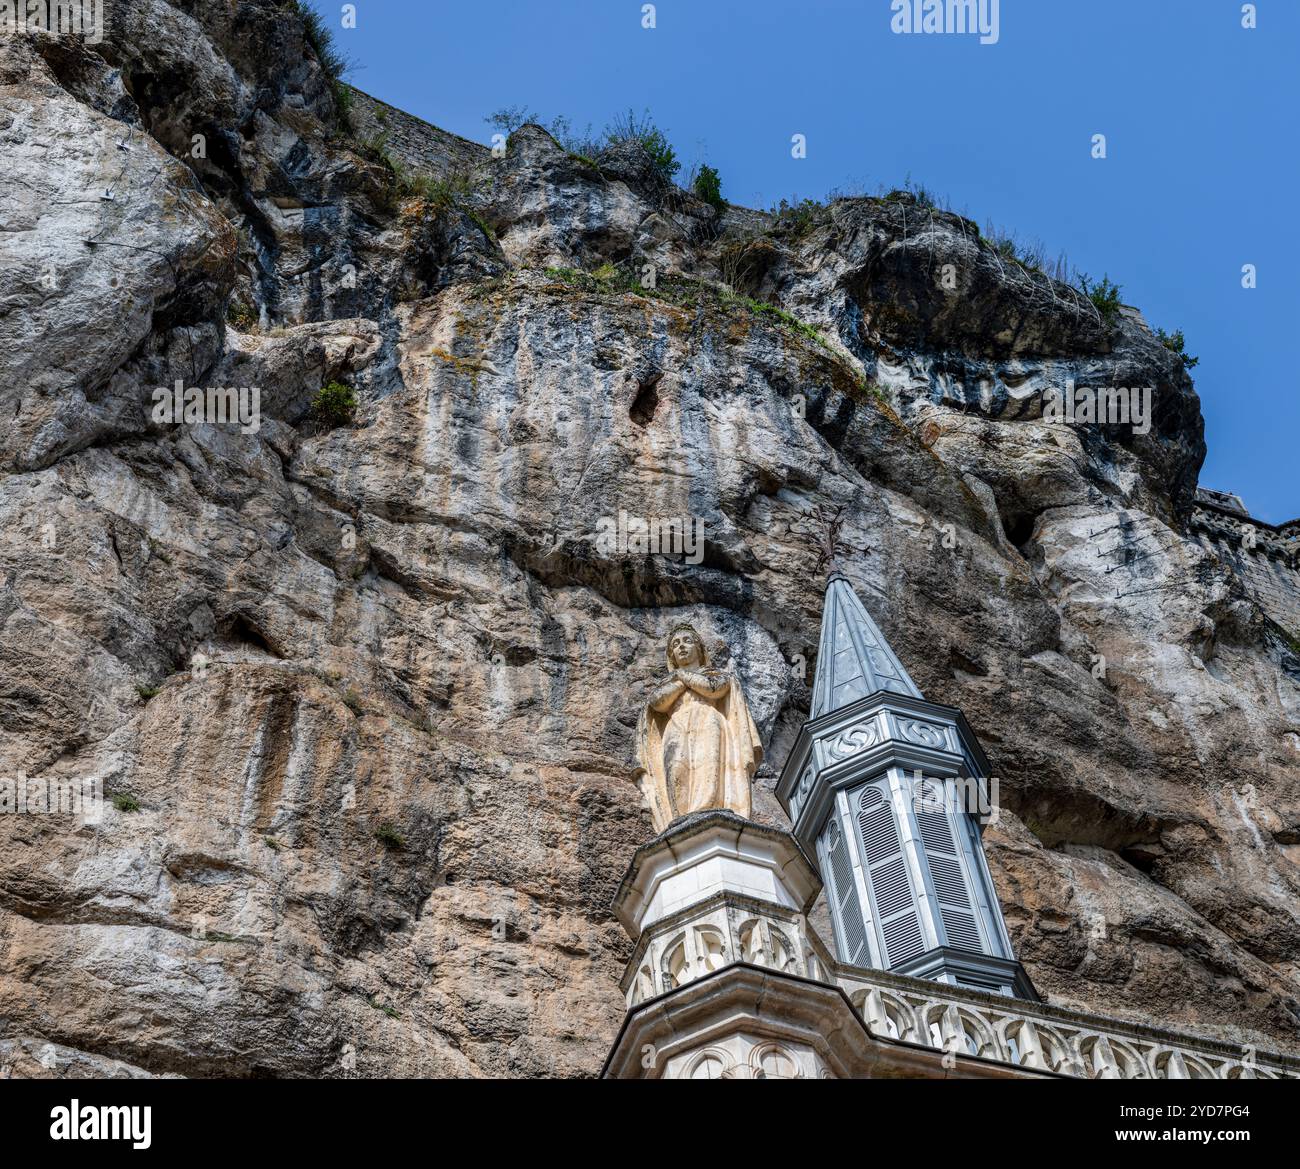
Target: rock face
[(375, 825)]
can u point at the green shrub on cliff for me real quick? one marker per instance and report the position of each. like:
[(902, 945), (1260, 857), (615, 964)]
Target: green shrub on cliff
[(334, 404), (789, 320), (1104, 296), (241, 316), (708, 186), (1175, 342)]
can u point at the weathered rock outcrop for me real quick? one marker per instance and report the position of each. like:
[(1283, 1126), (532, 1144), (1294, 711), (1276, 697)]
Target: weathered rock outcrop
[(375, 828)]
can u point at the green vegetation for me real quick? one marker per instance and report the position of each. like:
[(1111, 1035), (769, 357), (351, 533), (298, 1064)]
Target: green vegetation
[(1175, 342), (917, 194), (483, 225), (610, 278), (684, 293), (388, 835), (125, 803), (796, 219), (629, 128), (587, 147), (708, 186), (148, 692), (391, 1012), (1104, 296), (441, 193), (508, 119), (241, 316), (582, 144), (1005, 245), (271, 843), (877, 391), (351, 699), (791, 322), (342, 103), (334, 405), (1030, 255), (320, 39), (391, 192)]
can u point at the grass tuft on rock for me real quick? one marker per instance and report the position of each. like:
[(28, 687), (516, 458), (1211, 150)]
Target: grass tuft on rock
[(320, 39)]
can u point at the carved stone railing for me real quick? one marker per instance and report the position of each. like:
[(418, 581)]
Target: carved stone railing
[(714, 933), (1042, 1037)]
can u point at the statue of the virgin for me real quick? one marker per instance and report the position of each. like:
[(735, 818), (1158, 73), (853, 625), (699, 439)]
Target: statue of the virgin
[(697, 746)]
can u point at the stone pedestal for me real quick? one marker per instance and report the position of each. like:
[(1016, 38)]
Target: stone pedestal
[(711, 890), (720, 984)]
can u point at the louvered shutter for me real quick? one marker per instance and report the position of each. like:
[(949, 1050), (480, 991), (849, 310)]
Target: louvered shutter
[(882, 853), (959, 921), (845, 896)]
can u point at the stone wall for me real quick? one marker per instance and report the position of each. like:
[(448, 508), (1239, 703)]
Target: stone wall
[(1265, 557), (412, 141)]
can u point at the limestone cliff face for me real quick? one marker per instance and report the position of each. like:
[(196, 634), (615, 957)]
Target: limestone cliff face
[(380, 831)]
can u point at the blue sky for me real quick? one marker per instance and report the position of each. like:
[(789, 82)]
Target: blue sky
[(1199, 116)]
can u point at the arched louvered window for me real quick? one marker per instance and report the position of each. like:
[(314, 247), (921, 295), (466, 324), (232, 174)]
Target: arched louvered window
[(891, 888), (844, 896), (949, 880)]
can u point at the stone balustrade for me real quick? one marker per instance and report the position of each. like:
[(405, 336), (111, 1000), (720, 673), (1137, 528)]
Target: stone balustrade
[(1042, 1037)]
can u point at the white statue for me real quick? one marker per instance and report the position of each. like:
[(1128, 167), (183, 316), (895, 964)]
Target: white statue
[(697, 746)]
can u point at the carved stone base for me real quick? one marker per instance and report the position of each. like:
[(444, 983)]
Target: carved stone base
[(712, 890)]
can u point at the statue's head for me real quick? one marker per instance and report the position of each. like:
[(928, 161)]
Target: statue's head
[(685, 649)]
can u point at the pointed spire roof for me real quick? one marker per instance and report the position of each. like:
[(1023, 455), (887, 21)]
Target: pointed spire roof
[(853, 658)]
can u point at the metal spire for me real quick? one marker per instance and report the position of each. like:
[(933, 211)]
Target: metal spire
[(853, 657)]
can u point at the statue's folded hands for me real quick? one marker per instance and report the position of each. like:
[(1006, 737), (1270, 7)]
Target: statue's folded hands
[(705, 683)]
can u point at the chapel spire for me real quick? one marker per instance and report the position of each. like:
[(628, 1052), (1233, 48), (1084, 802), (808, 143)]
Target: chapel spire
[(888, 791), (853, 657)]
